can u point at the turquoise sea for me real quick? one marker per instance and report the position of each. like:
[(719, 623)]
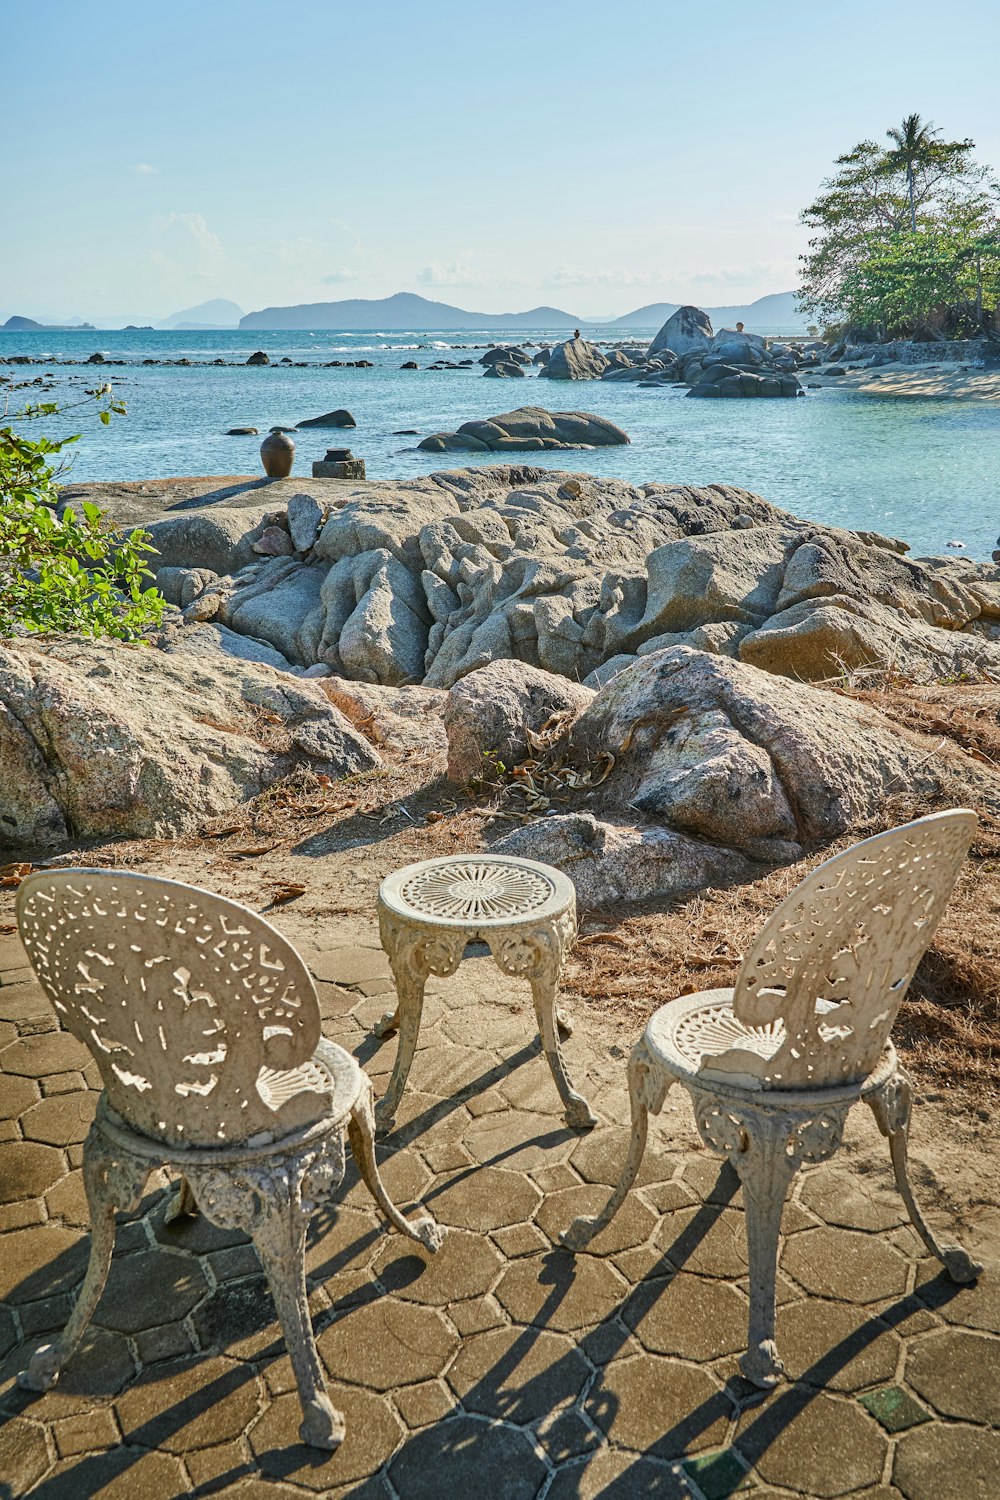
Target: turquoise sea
[(924, 470)]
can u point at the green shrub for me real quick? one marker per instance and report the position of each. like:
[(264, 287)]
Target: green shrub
[(68, 572)]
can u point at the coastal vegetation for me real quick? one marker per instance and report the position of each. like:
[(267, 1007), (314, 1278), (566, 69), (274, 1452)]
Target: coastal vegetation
[(907, 238), (65, 572)]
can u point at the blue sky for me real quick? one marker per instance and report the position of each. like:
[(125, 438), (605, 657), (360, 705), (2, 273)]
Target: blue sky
[(589, 155)]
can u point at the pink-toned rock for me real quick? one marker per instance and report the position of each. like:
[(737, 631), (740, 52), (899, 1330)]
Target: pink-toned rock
[(274, 541)]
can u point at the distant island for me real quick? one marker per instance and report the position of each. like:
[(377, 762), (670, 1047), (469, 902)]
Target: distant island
[(775, 313), (28, 325), (407, 310)]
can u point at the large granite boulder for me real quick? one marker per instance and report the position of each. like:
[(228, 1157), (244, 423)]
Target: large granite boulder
[(490, 713), (688, 330), (575, 360), (100, 739), (718, 766)]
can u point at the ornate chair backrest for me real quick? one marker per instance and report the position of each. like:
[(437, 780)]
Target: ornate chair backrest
[(832, 964), (181, 996)]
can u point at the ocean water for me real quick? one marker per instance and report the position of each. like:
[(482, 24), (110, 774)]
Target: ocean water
[(923, 470)]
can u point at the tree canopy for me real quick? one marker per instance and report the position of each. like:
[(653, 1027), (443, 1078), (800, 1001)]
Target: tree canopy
[(906, 237)]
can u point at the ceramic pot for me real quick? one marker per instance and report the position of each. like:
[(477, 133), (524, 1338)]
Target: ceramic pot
[(277, 454)]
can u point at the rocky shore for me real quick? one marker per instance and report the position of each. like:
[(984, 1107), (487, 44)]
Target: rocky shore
[(651, 673)]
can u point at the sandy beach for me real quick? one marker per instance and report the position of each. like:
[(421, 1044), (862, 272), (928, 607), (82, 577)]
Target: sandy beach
[(943, 380)]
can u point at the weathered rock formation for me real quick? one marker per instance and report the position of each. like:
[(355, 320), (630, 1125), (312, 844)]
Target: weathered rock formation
[(338, 418), (529, 429), (425, 580), (100, 739), (687, 331)]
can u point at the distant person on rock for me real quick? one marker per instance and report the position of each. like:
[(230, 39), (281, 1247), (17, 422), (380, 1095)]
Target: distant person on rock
[(576, 333), (739, 328)]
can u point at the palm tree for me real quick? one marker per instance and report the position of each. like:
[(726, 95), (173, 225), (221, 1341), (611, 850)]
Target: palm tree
[(913, 140)]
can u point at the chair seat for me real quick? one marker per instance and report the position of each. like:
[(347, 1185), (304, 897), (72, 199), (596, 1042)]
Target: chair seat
[(689, 1034), (326, 1087), (698, 1039)]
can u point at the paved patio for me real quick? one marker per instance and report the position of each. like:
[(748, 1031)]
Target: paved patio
[(500, 1367)]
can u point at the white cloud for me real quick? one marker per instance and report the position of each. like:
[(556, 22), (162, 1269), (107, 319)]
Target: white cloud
[(449, 273), (187, 247), (758, 270), (143, 168), (602, 276), (339, 274)]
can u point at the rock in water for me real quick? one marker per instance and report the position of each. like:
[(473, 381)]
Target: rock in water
[(101, 740), (259, 358), (338, 418), (575, 360), (687, 331), (529, 428)]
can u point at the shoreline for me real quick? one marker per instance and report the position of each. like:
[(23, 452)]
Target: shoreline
[(940, 381)]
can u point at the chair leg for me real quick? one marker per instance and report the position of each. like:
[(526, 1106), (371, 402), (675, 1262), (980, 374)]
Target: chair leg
[(361, 1132), (891, 1107), (280, 1240), (111, 1181), (765, 1170), (648, 1087), (578, 1113), (182, 1205), (410, 990)]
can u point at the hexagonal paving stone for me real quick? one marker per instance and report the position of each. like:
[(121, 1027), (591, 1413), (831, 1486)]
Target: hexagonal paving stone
[(449, 1070), (560, 1292), (67, 1200), (51, 1052), (344, 1242), (24, 1457), (463, 1456), (466, 1265), (387, 1343), (518, 1374), (851, 1200), (240, 1318), (632, 1224), (600, 1156), (694, 1317), (28, 1170), (61, 1120), (419, 1405), (405, 1175), (189, 1404), (844, 1264), (41, 1262), (530, 1086), (101, 1366), (483, 1199), (372, 1433), (958, 1373), (517, 1140), (835, 1345), (975, 1306), (822, 1448), (148, 1289), (16, 1095), (659, 1406), (500, 1031), (614, 1475), (120, 1474), (707, 1240), (936, 1462)]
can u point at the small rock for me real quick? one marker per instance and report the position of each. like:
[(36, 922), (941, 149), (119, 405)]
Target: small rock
[(274, 541), (338, 418), (241, 432), (258, 358), (304, 516)]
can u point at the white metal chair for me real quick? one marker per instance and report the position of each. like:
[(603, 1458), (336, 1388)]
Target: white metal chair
[(774, 1064), (205, 1025)]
